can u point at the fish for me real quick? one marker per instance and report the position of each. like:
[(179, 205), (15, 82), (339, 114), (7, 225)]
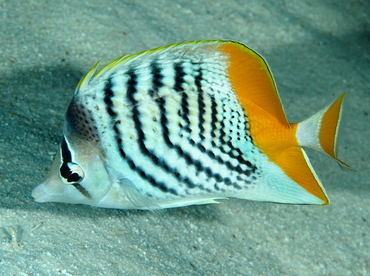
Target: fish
[(187, 124)]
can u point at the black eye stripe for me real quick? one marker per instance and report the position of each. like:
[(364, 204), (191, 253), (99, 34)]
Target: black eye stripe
[(66, 153), (74, 177), (65, 171)]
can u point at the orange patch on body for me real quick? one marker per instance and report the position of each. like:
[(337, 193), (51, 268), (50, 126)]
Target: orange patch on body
[(254, 85)]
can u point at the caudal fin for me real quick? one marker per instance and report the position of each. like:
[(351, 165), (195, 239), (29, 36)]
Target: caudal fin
[(319, 132)]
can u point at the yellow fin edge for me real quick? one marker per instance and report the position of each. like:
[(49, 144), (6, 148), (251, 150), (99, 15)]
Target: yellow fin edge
[(87, 77), (329, 129)]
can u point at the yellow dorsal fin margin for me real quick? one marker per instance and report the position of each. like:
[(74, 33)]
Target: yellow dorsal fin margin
[(110, 65), (252, 80), (85, 80)]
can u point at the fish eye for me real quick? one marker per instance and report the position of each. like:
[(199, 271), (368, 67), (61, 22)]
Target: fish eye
[(71, 173)]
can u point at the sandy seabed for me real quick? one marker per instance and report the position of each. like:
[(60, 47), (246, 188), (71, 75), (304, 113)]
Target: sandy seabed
[(316, 49)]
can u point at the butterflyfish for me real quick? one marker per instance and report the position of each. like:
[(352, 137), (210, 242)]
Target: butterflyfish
[(185, 124)]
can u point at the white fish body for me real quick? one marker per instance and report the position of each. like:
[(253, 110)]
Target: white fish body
[(185, 124)]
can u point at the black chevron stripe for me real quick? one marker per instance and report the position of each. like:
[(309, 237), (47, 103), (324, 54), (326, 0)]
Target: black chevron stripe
[(165, 133), (213, 117), (221, 138), (201, 104), (179, 77), (157, 83), (201, 109), (131, 90), (179, 80), (213, 131), (108, 95), (141, 135)]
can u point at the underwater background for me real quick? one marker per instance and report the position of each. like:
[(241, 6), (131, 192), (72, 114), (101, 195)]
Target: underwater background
[(316, 50)]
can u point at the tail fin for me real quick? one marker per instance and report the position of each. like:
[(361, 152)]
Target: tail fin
[(319, 132)]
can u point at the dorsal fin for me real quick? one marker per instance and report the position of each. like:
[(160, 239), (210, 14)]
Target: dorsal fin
[(85, 80), (111, 65), (252, 80), (91, 74)]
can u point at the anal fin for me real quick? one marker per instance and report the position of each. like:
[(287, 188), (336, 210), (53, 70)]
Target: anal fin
[(138, 199)]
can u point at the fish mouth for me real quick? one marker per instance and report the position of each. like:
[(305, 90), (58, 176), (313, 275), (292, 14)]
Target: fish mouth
[(40, 194), (47, 192)]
